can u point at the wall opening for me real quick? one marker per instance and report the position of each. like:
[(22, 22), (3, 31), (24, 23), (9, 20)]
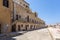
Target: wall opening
[(34, 26), (14, 28), (27, 18), (26, 26), (6, 3), (31, 26), (19, 28), (17, 17), (0, 28)]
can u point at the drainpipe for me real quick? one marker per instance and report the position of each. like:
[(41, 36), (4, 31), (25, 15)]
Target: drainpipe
[(14, 11)]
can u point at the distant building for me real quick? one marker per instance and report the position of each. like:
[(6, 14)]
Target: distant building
[(57, 25), (15, 15)]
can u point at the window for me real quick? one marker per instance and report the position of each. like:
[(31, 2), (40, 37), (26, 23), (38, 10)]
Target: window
[(35, 14), (12, 20), (34, 26), (24, 4), (27, 11), (27, 6), (33, 21), (27, 18), (16, 17), (6, 3), (22, 25), (36, 22), (31, 26), (26, 27), (20, 2), (19, 27), (19, 16)]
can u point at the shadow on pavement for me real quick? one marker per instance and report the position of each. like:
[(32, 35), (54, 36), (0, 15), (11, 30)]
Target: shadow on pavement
[(7, 38)]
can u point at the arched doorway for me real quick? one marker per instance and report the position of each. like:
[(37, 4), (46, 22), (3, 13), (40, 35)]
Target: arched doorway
[(14, 28), (31, 27), (19, 28), (26, 26)]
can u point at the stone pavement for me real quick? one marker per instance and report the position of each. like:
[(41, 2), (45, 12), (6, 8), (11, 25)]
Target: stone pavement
[(10, 36), (41, 34)]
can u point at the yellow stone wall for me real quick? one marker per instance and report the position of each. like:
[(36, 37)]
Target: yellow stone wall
[(5, 15)]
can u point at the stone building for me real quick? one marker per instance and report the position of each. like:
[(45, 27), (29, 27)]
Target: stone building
[(15, 15), (6, 10), (56, 25), (26, 19)]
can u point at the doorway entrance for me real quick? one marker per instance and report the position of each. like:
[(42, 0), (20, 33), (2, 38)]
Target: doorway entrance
[(27, 27), (0, 28), (19, 28), (31, 26), (14, 28)]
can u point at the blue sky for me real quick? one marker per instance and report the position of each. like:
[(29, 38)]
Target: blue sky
[(48, 10)]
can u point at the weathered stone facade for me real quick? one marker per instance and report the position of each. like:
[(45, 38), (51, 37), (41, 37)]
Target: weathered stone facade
[(26, 19), (5, 15), (15, 15)]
